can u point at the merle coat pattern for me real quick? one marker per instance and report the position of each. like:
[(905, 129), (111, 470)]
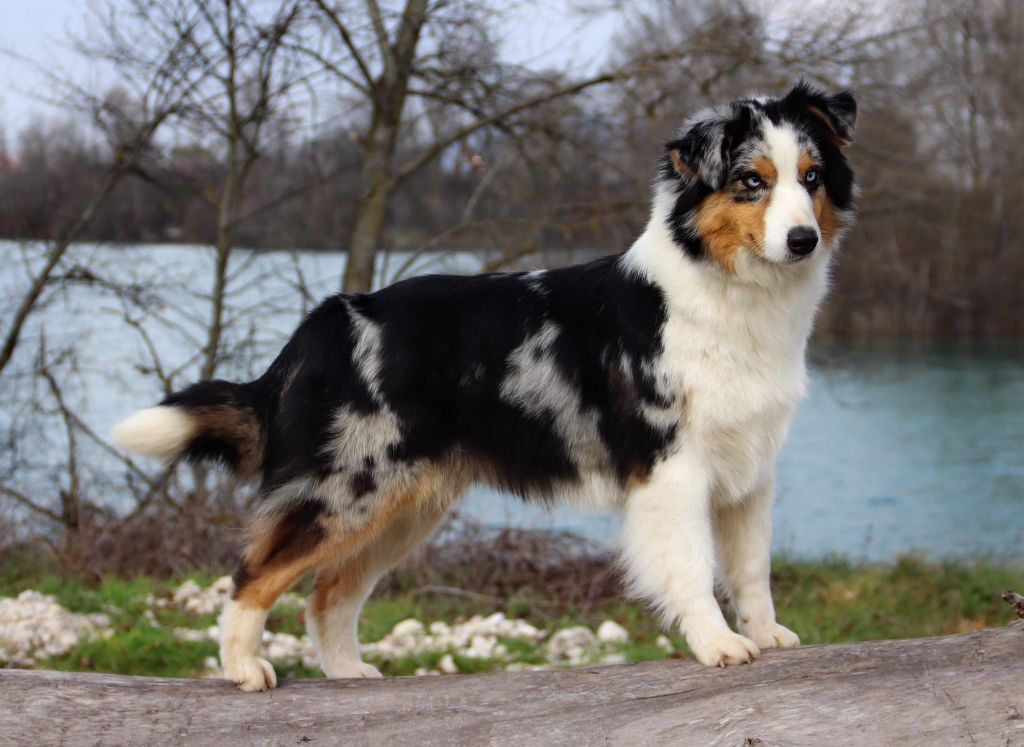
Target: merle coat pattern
[(659, 382)]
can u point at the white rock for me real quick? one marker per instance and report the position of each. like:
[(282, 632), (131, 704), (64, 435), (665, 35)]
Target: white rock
[(440, 628), (611, 632), (481, 646), (410, 626), (568, 639), (34, 626), (196, 600)]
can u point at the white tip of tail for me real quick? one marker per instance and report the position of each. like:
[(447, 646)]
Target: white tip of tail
[(161, 432)]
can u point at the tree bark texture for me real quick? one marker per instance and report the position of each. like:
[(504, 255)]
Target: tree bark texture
[(962, 689)]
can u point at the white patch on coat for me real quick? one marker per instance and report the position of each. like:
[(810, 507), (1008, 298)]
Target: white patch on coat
[(367, 351), (536, 386), (535, 281), (356, 436)]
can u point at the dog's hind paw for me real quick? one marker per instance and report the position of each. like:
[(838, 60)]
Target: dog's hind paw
[(353, 670), (251, 674), (722, 649), (771, 635)]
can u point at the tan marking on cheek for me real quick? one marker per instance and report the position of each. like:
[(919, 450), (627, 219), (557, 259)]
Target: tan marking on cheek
[(725, 226), (825, 214), (765, 169)]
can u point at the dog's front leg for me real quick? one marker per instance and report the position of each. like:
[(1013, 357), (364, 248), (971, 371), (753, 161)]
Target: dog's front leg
[(668, 549), (743, 532)]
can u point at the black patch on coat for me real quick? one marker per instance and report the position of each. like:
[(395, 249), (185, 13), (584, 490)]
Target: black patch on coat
[(362, 483)]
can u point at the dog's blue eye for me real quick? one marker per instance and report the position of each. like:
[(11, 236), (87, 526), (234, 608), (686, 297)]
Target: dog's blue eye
[(811, 177), (752, 182)]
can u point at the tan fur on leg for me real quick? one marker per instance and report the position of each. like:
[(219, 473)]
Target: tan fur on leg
[(332, 616), (281, 550)]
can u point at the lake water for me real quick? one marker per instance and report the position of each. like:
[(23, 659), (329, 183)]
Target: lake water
[(898, 448)]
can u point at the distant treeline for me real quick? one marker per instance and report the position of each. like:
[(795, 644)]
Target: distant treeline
[(939, 249)]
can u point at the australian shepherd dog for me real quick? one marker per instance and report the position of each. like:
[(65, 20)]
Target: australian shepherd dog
[(659, 382)]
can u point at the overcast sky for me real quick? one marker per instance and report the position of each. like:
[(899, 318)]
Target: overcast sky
[(539, 33)]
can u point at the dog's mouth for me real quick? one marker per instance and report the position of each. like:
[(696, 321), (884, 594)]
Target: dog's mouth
[(795, 259)]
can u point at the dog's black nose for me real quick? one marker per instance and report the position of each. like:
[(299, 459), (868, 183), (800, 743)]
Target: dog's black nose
[(802, 240)]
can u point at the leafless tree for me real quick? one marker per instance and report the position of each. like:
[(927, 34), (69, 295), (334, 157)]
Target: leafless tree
[(427, 76)]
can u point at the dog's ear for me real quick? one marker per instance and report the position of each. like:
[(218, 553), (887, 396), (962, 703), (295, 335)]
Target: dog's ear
[(837, 112), (841, 114), (702, 152)]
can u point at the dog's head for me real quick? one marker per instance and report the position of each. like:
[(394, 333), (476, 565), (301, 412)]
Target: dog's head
[(762, 180)]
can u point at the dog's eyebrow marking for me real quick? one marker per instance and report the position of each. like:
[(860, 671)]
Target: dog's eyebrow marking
[(765, 168), (806, 162)]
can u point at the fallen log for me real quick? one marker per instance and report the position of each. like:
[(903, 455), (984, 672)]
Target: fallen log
[(961, 689)]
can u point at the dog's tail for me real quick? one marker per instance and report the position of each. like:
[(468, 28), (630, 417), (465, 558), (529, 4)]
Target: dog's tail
[(210, 421)]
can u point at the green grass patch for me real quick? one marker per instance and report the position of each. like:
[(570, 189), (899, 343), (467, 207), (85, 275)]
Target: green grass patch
[(828, 601), (141, 650)]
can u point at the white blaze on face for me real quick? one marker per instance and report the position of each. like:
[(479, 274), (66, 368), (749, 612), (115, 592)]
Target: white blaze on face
[(789, 205)]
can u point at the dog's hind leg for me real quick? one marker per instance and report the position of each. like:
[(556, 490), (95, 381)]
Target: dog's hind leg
[(308, 534), (332, 614), (281, 549)]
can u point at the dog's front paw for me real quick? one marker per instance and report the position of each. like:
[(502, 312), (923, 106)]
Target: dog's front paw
[(720, 649), (771, 635), (251, 674), (353, 670)]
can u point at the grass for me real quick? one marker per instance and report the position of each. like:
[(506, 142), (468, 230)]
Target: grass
[(827, 601)]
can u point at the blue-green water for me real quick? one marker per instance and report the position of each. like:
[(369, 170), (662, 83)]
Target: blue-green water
[(898, 448)]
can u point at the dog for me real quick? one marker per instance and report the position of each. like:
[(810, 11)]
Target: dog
[(659, 382)]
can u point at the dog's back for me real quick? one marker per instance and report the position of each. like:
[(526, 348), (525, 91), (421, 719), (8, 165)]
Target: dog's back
[(527, 381)]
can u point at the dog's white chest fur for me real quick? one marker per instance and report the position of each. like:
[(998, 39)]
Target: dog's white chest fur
[(735, 352), (739, 399)]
